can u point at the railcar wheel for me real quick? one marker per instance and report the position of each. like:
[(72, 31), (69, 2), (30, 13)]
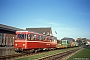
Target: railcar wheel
[(28, 52), (31, 51), (36, 51)]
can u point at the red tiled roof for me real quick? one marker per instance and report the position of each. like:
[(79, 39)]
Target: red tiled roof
[(88, 40)]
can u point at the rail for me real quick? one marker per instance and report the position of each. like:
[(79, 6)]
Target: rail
[(59, 55)]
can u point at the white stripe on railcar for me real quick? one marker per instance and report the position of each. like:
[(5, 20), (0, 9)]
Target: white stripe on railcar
[(22, 31), (35, 41)]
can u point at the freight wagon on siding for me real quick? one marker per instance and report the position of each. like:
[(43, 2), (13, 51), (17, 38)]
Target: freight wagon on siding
[(7, 39), (65, 43)]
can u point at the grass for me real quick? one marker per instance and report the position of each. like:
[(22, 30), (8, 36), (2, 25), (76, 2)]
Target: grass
[(81, 55), (44, 54)]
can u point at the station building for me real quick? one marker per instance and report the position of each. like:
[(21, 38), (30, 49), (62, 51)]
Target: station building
[(7, 35)]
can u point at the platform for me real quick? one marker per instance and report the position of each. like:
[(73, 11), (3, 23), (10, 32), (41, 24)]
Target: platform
[(7, 51)]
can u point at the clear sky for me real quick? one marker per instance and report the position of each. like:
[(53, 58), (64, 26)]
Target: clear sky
[(69, 18)]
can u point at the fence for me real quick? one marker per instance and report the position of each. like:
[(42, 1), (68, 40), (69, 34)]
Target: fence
[(6, 41)]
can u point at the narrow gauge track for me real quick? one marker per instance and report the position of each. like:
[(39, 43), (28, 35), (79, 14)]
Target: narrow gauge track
[(8, 57), (59, 56)]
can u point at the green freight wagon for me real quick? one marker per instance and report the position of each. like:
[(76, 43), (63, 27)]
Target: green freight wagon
[(65, 43)]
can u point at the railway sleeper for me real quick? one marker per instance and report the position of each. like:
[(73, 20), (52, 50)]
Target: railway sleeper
[(15, 55), (8, 56), (2, 57)]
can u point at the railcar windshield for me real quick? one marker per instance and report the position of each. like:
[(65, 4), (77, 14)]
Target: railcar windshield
[(43, 37), (22, 36)]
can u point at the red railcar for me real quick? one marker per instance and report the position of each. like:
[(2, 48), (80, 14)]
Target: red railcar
[(31, 41)]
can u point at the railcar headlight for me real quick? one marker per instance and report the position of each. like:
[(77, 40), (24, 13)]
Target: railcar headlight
[(16, 44), (23, 44)]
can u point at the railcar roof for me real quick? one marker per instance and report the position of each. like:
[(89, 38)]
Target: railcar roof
[(24, 31), (40, 34), (28, 31)]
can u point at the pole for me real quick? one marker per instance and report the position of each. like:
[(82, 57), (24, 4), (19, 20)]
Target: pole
[(51, 28)]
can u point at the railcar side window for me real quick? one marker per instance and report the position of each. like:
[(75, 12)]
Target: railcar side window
[(51, 38), (34, 37), (31, 37), (39, 37), (44, 37)]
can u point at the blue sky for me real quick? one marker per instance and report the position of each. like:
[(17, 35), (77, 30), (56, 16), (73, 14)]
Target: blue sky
[(70, 18)]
